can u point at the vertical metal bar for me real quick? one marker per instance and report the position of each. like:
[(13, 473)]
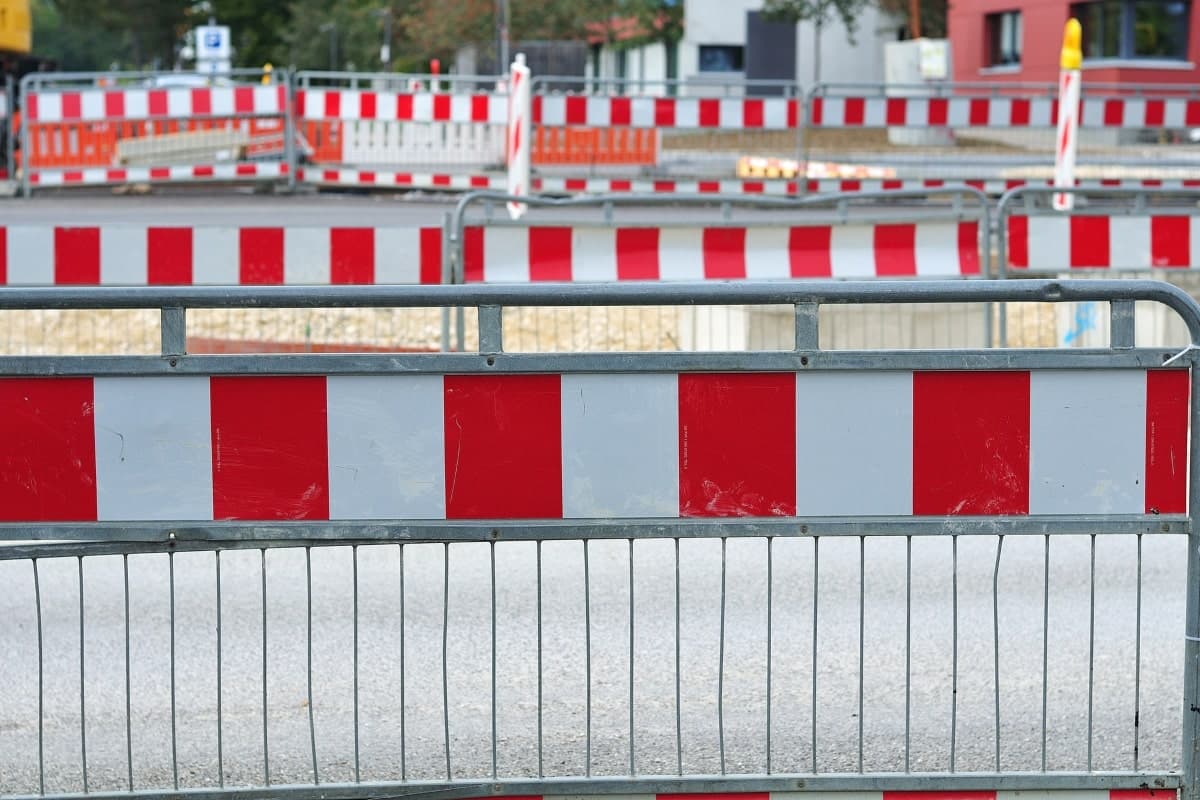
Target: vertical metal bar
[(403, 677), (816, 584), (312, 726), (862, 616), (220, 686), (632, 760), (354, 555), (807, 321), (1122, 330), (445, 638), (491, 329), (495, 740), (37, 601), (1045, 638), (1137, 662), (721, 666), (82, 693), (678, 689), (173, 330), (1191, 645), (541, 769), (587, 629), (954, 650), (996, 640), (128, 686), (262, 553), (770, 623), (907, 651), (1091, 647)]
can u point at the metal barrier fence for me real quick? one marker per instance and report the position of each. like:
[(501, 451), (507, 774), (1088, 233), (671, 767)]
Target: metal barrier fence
[(1112, 231), (594, 575), (620, 238), (147, 255), (145, 127), (7, 117)]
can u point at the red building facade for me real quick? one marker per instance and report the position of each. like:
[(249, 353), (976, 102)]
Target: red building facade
[(1131, 42)]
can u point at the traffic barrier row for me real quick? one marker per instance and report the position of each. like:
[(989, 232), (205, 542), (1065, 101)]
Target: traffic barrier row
[(545, 446), (71, 123)]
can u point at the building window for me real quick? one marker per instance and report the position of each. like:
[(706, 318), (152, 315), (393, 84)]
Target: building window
[(1134, 28), (1003, 39), (722, 57)]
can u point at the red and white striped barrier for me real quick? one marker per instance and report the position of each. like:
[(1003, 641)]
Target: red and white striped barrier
[(729, 113), (352, 104), (144, 255), (545, 446), (45, 106), (999, 112), (562, 253), (1058, 243), (115, 176), (393, 179)]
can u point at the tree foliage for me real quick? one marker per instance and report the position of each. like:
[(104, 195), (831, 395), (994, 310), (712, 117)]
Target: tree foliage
[(818, 12)]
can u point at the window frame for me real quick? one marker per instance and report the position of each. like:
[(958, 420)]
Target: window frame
[(739, 64), (995, 19), (1127, 32)]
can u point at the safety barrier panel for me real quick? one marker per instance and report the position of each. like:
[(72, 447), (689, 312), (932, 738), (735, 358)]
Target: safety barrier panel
[(1117, 231), (780, 239), (354, 576), (147, 127), (8, 163), (138, 255)]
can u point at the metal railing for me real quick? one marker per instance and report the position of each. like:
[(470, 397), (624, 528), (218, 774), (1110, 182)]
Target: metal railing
[(844, 640), (725, 237)]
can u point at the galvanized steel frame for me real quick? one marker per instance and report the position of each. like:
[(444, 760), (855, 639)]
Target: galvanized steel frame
[(171, 537)]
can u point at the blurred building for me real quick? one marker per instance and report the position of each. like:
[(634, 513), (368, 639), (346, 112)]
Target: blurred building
[(1134, 42), (730, 42)]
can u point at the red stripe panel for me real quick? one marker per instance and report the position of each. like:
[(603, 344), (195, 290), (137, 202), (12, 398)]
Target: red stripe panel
[(169, 256), (441, 108), (243, 100), (1166, 441), (479, 107), (352, 255), (1142, 794), (472, 254), (270, 457), (942, 795), (3, 255), (156, 102), (47, 450), (1089, 242), (855, 109), (1156, 113), (737, 444), (431, 254), (793, 114), (261, 256), (503, 446), (724, 253), (939, 110), (201, 101), (752, 113), (1018, 241), (367, 105), (970, 443), (809, 251), (1114, 112), (114, 105), (1019, 112), (816, 111), (575, 111), (77, 256), (620, 111), (716, 796), (31, 106), (549, 253), (535, 110), (664, 113), (710, 113), (896, 110), (1170, 241), (404, 107), (72, 106), (333, 104), (968, 248), (979, 110), (637, 254), (1192, 113), (895, 249)]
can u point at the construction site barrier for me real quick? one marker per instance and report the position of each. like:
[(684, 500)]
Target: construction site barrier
[(358, 575), (147, 127), (8, 122)]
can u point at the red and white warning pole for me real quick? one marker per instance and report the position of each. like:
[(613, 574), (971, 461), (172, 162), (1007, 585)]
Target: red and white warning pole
[(520, 109), (1067, 140)]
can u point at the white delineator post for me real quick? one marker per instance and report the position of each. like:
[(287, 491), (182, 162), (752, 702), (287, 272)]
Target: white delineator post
[(1067, 140), (520, 109)]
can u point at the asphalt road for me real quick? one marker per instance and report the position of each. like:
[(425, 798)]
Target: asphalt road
[(563, 670)]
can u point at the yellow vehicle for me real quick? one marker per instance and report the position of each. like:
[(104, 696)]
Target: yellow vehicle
[(16, 27)]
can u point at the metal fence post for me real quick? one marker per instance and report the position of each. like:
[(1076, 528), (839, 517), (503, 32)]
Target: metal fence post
[(1190, 761), (28, 86), (290, 151), (10, 128)]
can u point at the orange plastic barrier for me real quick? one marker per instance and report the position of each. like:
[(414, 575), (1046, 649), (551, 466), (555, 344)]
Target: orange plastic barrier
[(324, 137), (587, 146), (94, 144)]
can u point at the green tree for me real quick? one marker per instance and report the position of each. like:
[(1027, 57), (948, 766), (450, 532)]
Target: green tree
[(258, 28), (148, 32)]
